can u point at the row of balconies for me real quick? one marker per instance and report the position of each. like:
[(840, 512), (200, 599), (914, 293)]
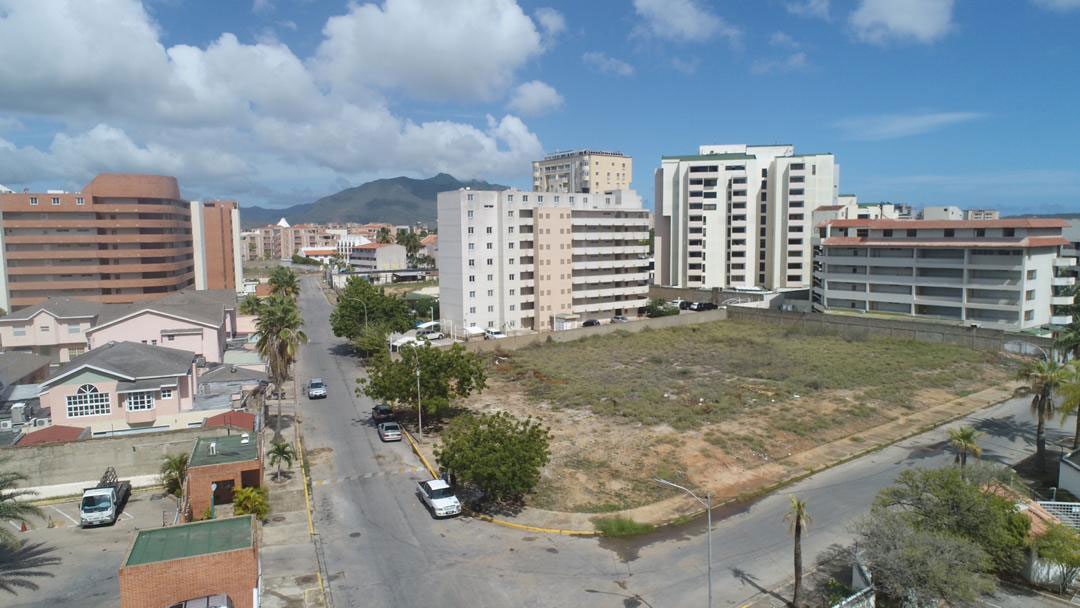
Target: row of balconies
[(587, 279), (610, 305)]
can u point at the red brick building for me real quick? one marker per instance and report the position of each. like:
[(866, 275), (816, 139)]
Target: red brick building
[(229, 463), (167, 567)]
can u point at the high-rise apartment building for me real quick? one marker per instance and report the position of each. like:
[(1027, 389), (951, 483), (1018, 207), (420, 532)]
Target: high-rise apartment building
[(216, 224), (516, 260), (583, 171), (123, 238), (1004, 274), (738, 216)]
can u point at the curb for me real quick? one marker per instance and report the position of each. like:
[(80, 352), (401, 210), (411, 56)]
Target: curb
[(307, 505), (55, 500), (488, 518), (1039, 592)]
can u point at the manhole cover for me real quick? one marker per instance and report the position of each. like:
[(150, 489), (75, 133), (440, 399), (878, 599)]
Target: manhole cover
[(354, 535), (277, 518)]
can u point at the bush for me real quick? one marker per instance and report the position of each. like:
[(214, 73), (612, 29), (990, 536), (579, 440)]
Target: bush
[(621, 526), (253, 501), (658, 308)]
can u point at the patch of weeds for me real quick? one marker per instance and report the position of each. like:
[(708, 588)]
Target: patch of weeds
[(621, 526)]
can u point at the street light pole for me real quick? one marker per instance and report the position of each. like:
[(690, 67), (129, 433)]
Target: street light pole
[(707, 503), (419, 408)]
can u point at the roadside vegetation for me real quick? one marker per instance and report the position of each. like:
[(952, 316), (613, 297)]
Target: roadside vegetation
[(621, 526), (436, 377), (278, 328)]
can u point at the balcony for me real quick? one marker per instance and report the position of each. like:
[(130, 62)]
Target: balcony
[(590, 279), (1059, 281), (612, 250), (1064, 262), (1061, 300), (607, 236), (601, 264), (1061, 320)]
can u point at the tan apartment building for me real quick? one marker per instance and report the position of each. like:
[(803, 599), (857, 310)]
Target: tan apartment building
[(583, 171)]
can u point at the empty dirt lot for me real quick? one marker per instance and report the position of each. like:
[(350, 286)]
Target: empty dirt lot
[(708, 404)]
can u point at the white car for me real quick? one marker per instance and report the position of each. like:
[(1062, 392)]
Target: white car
[(438, 498), (316, 389), (390, 431), (493, 334), (432, 336)]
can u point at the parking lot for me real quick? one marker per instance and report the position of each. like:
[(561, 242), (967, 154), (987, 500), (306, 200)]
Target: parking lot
[(80, 566)]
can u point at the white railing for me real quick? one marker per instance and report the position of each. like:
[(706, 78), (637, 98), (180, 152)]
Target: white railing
[(1067, 512)]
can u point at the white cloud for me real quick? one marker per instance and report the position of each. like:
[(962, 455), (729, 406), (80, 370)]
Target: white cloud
[(430, 49), (682, 20), (551, 21), (534, 98), (232, 116), (809, 8), (601, 62), (880, 21), (792, 63), (686, 66), (892, 126), (783, 40), (1058, 5), (262, 6)]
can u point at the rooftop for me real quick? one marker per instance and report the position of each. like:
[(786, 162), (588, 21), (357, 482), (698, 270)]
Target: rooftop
[(56, 433), (129, 360), (59, 307), (205, 306), (190, 540), (932, 224), (14, 366), (229, 449), (726, 156), (946, 243)]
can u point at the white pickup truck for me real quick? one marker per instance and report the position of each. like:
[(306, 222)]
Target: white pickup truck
[(438, 498), (102, 503)]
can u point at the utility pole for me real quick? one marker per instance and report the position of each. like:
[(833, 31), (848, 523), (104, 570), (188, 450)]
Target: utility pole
[(707, 503), (419, 408)]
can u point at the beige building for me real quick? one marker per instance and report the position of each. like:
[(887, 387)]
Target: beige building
[(583, 171)]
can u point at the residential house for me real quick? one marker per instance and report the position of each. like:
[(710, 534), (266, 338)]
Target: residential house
[(55, 328)]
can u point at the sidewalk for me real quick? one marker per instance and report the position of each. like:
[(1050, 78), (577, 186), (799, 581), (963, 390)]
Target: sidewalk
[(765, 478), (290, 566)]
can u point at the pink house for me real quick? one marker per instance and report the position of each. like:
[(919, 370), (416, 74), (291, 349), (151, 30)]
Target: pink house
[(56, 328), (123, 387)]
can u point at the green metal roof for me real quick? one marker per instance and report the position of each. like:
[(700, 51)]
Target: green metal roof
[(726, 156), (229, 449), (190, 540)]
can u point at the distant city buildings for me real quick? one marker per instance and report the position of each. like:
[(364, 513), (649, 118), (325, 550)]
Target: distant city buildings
[(516, 260), (123, 238), (583, 171), (1003, 274), (281, 241), (738, 216)]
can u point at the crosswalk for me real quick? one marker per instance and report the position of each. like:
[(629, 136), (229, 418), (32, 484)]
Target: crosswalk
[(351, 478)]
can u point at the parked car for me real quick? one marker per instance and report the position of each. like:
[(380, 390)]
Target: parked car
[(316, 389), (382, 413), (493, 334), (679, 303), (390, 431), (619, 319), (699, 306), (438, 498), (432, 335), (591, 323)]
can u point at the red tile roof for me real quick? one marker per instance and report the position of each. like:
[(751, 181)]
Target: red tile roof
[(1024, 243), (240, 420), (53, 434), (829, 208), (1040, 222), (262, 290), (429, 239)]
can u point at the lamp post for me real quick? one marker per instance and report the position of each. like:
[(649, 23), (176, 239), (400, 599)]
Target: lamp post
[(419, 408), (707, 503)]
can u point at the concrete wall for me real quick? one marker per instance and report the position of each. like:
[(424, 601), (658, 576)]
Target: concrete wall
[(715, 296), (86, 460), (981, 339)]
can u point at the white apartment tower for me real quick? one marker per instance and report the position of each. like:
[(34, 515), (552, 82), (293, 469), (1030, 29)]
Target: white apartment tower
[(738, 216), (583, 171), (515, 260)]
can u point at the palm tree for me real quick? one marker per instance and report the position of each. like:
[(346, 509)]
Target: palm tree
[(249, 305), (13, 506), (1068, 341), (280, 337), (283, 281), (798, 520), (409, 240), (964, 440), (1044, 376), (1070, 398), (281, 451), (384, 236), (173, 471)]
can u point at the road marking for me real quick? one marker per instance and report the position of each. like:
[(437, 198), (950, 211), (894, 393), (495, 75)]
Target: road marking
[(128, 515), (350, 478), (69, 518), (14, 525)]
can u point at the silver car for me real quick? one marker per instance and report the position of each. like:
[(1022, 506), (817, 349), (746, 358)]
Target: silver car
[(316, 389), (390, 431)]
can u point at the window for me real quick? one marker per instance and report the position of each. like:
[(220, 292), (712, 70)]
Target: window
[(491, 293), (472, 278), (1008, 232), (510, 199), (980, 232), (33, 200), (170, 338), (87, 401), (886, 233), (137, 402), (74, 328), (75, 351), (911, 233), (166, 393), (490, 245), (862, 233), (19, 331), (491, 277), (56, 200), (469, 197), (472, 246), (949, 232), (1031, 275), (472, 262), (511, 228), (488, 230), (472, 294), (513, 292), (472, 310), (1029, 315), (470, 212), (79, 200), (491, 261), (470, 228), (44, 328), (1029, 295), (512, 277), (491, 309)]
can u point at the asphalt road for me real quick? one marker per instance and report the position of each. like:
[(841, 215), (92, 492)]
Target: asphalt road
[(382, 548)]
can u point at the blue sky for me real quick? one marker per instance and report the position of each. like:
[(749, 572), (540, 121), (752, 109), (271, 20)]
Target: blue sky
[(277, 102)]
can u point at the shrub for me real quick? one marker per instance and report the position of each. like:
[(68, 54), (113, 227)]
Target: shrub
[(621, 526), (251, 500)]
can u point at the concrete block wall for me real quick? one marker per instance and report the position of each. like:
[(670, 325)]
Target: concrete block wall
[(162, 584)]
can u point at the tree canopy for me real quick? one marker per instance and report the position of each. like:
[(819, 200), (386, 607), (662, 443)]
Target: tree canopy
[(362, 303), (1061, 545), (283, 281), (498, 454), (445, 375)]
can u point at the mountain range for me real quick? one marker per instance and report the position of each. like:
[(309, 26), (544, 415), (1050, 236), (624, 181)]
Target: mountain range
[(398, 200)]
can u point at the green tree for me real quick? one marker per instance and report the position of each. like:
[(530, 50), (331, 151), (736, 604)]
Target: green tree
[(281, 452), (283, 281), (173, 472), (657, 307), (498, 454), (13, 505), (445, 375), (1070, 398), (1068, 340), (249, 305), (919, 567), (798, 520), (964, 440), (384, 236), (943, 501), (1044, 376), (361, 303), (279, 340), (252, 501), (371, 340), (1061, 545), (425, 308), (409, 240)]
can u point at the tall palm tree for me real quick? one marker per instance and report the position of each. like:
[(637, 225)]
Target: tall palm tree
[(1068, 340), (1044, 377), (13, 505), (283, 281), (280, 452), (173, 471), (798, 520), (1070, 398), (964, 440), (280, 337), (249, 305), (384, 236)]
